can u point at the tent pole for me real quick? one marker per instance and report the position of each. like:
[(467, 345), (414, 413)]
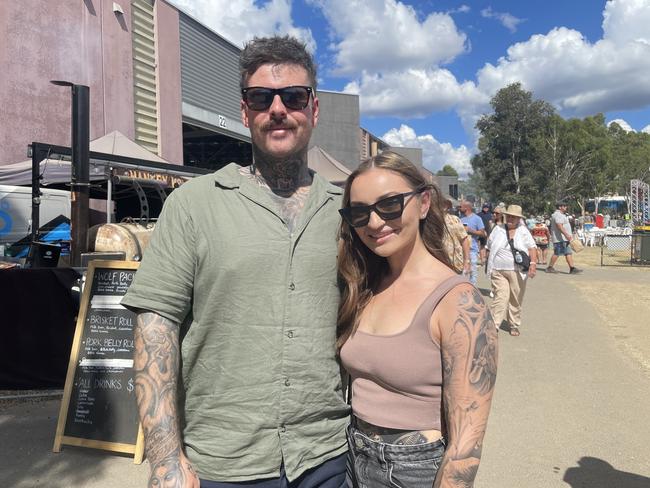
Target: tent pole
[(109, 196), (36, 190)]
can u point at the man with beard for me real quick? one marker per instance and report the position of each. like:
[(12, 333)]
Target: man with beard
[(237, 297)]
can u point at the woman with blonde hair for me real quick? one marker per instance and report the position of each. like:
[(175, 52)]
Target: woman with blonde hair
[(416, 338)]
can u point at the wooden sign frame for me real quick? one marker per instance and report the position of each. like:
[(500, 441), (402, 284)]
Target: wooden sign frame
[(60, 438)]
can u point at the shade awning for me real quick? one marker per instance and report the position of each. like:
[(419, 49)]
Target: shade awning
[(327, 166), (58, 169)]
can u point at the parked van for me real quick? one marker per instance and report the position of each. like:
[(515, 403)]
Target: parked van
[(16, 210)]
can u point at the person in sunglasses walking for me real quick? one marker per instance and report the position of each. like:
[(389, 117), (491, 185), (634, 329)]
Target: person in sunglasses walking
[(476, 230), (237, 376), (416, 338)]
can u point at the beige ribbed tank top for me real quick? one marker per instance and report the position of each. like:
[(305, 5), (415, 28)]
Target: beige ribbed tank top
[(397, 378)]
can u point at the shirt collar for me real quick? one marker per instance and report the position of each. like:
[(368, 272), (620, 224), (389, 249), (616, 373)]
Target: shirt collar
[(229, 177)]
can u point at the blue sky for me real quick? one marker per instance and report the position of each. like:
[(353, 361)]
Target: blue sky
[(426, 70)]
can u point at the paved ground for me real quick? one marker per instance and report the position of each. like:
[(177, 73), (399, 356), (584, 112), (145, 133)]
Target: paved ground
[(571, 406)]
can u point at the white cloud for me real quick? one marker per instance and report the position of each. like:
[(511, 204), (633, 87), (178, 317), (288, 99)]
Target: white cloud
[(579, 77), (562, 67), (241, 20), (627, 21), (434, 154), (386, 35), (623, 125), (509, 21), (412, 93), (463, 9)]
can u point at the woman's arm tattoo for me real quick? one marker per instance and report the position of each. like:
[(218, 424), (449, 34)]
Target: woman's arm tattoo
[(156, 361), (469, 359)]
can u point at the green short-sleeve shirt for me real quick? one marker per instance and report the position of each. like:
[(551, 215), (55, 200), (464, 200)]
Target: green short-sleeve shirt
[(258, 305)]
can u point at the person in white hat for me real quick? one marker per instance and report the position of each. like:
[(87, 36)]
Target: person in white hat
[(507, 275)]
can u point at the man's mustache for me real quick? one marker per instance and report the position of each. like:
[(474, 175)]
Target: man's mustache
[(274, 126)]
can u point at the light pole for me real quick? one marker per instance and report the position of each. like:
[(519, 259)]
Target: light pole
[(80, 179)]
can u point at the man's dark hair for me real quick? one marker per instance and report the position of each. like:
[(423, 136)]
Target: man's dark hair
[(561, 204), (275, 50)]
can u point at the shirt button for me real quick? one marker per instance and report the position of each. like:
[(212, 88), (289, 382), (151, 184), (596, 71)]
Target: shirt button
[(290, 334), (292, 286), (287, 382), (283, 429)]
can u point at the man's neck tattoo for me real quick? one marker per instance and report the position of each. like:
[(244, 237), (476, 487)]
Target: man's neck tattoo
[(282, 176)]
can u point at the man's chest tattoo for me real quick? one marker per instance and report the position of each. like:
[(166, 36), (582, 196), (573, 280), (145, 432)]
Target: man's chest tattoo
[(291, 208), (289, 202)]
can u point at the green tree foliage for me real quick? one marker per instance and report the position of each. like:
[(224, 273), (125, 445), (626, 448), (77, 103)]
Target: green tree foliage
[(573, 155), (447, 170), (474, 188), (629, 157), (508, 159), (531, 156)]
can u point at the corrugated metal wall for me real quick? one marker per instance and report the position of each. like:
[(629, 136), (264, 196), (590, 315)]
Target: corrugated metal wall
[(144, 74), (209, 70)]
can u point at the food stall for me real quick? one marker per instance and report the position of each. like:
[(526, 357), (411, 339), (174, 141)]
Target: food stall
[(40, 305)]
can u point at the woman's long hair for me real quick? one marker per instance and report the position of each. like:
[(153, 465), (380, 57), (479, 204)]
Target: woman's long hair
[(360, 270)]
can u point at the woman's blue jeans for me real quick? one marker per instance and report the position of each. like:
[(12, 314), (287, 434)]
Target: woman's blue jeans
[(375, 464)]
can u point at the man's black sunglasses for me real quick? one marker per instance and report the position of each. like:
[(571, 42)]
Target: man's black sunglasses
[(388, 208), (293, 97)]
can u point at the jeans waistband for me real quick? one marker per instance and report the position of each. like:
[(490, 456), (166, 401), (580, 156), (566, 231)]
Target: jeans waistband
[(361, 443)]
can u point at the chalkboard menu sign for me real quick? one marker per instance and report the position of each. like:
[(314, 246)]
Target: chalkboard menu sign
[(99, 408)]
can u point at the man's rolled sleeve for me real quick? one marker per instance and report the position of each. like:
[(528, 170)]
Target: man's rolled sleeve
[(164, 281)]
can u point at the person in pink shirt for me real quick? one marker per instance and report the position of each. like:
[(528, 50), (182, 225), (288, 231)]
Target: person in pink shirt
[(416, 338)]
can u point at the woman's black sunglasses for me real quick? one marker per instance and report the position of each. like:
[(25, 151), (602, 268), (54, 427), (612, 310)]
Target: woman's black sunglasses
[(388, 208), (260, 98)]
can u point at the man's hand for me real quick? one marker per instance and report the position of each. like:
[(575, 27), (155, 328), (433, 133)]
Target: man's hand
[(467, 267), (174, 472), (532, 271)]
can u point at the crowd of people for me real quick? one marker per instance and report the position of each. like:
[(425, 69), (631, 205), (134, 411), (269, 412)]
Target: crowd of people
[(294, 334), (509, 246)]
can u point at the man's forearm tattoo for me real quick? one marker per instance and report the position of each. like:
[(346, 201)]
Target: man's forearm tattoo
[(469, 357), (156, 362)]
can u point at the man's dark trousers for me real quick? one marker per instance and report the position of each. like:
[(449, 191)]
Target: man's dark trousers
[(330, 474)]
